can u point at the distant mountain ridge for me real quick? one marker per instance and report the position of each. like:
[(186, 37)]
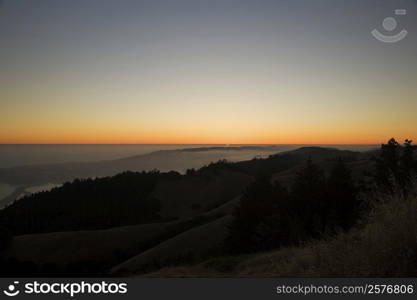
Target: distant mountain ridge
[(177, 195), (183, 208), (164, 160)]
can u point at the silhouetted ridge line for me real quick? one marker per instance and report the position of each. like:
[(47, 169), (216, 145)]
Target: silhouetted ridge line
[(205, 149)]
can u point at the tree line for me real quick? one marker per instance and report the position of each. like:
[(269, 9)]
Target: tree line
[(86, 204), (270, 216)]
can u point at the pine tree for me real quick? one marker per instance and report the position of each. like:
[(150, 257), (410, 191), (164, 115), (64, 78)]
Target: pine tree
[(406, 164), (342, 195), (261, 219), (387, 165), (308, 194), (395, 166)]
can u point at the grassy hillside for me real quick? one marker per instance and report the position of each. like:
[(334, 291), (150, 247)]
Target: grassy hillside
[(90, 252), (190, 245), (62, 249), (125, 199), (384, 245), (137, 198), (79, 228), (291, 214), (186, 196)]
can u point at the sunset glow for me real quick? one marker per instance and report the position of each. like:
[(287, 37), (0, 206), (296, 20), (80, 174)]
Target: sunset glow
[(202, 72)]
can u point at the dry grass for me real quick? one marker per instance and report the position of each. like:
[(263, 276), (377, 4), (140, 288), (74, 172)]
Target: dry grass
[(384, 246), (98, 246), (191, 245)]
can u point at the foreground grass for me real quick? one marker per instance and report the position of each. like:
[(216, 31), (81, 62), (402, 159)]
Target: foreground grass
[(385, 246)]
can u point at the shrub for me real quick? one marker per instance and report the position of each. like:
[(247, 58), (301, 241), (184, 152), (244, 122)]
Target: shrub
[(386, 246)]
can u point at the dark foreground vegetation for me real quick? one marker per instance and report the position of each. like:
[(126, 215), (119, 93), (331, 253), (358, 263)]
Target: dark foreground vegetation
[(271, 216), (308, 212), (86, 204), (382, 245)]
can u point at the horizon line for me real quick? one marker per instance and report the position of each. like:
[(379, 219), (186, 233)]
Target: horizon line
[(188, 144)]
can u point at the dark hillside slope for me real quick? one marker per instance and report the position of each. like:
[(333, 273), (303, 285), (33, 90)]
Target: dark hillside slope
[(98, 248), (124, 199), (286, 160), (187, 196), (137, 198), (83, 226), (192, 245)]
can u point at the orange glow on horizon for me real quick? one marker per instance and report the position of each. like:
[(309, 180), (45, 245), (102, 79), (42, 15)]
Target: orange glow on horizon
[(221, 133), (150, 75), (207, 141)]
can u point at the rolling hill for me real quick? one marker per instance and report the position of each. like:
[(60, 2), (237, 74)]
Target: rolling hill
[(192, 218)]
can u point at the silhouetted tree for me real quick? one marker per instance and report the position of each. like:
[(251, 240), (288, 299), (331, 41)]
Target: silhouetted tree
[(395, 165), (308, 197), (407, 163), (342, 197), (387, 164), (124, 199), (269, 217), (191, 172), (258, 218)]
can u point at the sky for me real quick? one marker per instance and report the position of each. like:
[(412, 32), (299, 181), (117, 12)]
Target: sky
[(206, 72)]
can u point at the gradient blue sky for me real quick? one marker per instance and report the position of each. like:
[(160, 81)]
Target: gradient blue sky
[(205, 71)]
